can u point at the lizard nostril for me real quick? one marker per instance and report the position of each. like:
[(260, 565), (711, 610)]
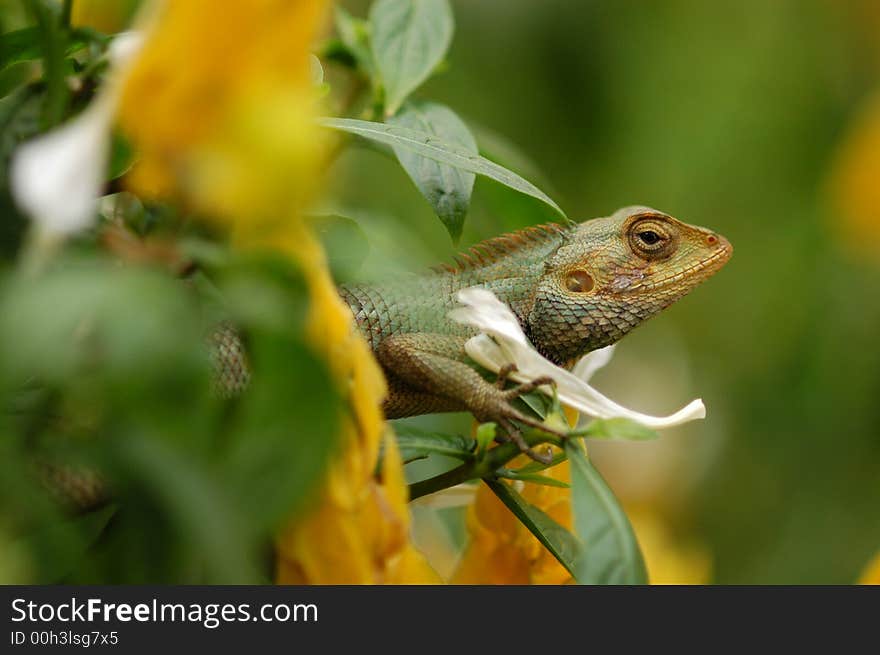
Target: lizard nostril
[(711, 239)]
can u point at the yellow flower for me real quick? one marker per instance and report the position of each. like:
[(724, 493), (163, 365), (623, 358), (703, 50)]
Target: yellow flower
[(668, 559), (854, 187), (220, 106), (108, 16), (871, 574), (358, 530), (501, 550)]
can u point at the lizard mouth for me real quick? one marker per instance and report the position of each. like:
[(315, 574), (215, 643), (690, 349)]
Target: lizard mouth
[(695, 273)]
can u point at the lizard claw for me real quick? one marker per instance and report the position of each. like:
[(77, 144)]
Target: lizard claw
[(528, 387), (521, 389), (503, 374), (505, 414), (498, 406), (517, 438)]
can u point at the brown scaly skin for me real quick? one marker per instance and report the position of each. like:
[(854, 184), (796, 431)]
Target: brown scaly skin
[(573, 288)]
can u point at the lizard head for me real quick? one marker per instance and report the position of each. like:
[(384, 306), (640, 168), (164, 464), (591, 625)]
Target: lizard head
[(613, 273)]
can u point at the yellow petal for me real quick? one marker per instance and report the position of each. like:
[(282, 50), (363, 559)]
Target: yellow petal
[(358, 533), (853, 182), (219, 107), (871, 574), (670, 560), (107, 16), (501, 550)]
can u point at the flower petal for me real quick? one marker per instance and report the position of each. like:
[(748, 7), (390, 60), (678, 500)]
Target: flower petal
[(124, 47), (485, 312), (591, 362), (503, 342), (56, 178)]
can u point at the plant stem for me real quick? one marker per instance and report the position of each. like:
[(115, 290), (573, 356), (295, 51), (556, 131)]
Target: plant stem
[(445, 480), (53, 32), (66, 8), (479, 468)]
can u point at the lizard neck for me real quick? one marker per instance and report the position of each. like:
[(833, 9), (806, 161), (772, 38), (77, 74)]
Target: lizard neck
[(513, 277)]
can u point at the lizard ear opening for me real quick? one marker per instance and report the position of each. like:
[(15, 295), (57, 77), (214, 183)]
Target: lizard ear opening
[(579, 281)]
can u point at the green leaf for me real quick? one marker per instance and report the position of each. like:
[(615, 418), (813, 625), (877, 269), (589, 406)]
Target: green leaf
[(533, 477), (19, 121), (181, 491), (53, 42), (447, 188), (534, 467), (263, 291), (418, 444), (561, 543), (122, 157), (18, 74), (617, 428), (409, 39), (20, 45), (535, 401), (611, 554), (433, 147), (26, 44), (344, 242), (76, 535), (485, 436), (91, 315), (355, 35), (282, 430)]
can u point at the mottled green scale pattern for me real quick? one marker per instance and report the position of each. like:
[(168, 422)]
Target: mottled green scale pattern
[(418, 304), (229, 360), (76, 487)]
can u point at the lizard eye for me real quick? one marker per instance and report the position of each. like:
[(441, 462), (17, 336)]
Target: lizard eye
[(579, 282), (651, 239)]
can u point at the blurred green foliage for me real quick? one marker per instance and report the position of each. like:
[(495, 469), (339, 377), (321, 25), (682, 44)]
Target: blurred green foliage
[(108, 368), (110, 379)]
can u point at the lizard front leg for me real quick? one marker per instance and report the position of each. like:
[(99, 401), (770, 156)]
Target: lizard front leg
[(427, 371)]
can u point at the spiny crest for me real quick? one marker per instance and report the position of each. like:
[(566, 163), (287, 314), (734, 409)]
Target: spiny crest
[(490, 251)]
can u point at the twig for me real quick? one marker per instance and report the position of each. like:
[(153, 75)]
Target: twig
[(485, 467)]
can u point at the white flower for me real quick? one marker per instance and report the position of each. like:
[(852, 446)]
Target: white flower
[(56, 178), (502, 342)]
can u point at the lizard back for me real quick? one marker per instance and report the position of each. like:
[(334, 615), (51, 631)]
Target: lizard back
[(509, 266)]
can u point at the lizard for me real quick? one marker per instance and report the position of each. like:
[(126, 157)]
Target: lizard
[(573, 288)]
